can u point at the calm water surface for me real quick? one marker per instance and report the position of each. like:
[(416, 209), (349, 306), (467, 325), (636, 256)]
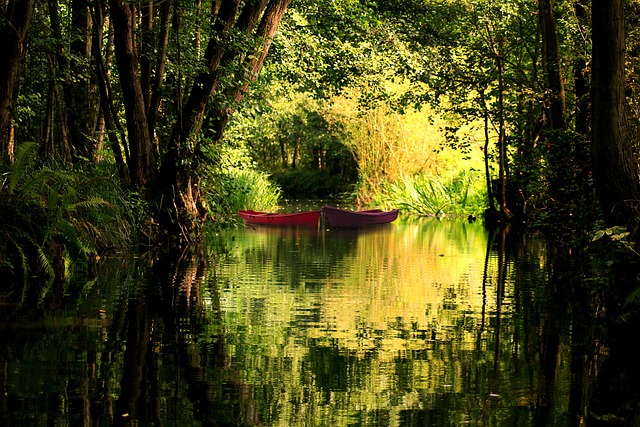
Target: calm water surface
[(421, 322)]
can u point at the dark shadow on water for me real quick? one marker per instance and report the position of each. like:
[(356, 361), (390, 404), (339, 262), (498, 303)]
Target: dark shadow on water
[(146, 343)]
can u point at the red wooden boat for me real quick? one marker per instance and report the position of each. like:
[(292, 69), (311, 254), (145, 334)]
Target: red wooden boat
[(345, 218), (306, 219)]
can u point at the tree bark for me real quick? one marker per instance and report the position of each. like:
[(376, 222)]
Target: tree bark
[(580, 71), (15, 21), (615, 171), (219, 118), (551, 57), (111, 123), (180, 184), (156, 83), (77, 93), (142, 159), (60, 146), (561, 172)]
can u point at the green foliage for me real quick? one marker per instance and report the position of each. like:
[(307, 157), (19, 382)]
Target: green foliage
[(616, 234), (614, 262), (232, 183), (53, 220), (462, 194), (291, 136), (240, 189), (411, 74), (318, 183)]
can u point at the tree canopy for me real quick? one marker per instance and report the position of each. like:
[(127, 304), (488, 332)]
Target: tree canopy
[(151, 88)]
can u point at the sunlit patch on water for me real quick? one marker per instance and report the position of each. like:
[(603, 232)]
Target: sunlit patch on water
[(372, 324), (423, 322)]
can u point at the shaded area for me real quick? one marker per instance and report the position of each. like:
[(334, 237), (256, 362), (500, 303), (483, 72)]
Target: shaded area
[(420, 323)]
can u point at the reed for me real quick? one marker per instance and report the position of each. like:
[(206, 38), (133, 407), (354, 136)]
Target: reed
[(416, 161), (463, 194), (240, 189)]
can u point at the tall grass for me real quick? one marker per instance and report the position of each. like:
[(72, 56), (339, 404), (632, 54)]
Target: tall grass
[(462, 194), (240, 189), (417, 161)]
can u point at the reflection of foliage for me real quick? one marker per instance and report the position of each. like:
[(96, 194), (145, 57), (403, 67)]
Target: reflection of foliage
[(302, 328), (373, 324)]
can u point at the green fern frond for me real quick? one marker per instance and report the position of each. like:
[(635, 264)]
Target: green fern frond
[(46, 288), (45, 264), (31, 188), (24, 260), (24, 155), (633, 298)]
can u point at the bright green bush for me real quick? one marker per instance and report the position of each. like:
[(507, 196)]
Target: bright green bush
[(463, 194), (239, 189)]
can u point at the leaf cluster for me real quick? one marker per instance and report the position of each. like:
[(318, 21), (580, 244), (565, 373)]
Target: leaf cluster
[(53, 221)]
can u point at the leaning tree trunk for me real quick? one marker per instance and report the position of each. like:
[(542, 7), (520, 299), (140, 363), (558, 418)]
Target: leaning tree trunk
[(180, 185), (615, 170), (15, 21), (218, 118)]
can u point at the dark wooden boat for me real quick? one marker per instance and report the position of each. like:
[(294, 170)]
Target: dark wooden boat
[(306, 219), (342, 218)]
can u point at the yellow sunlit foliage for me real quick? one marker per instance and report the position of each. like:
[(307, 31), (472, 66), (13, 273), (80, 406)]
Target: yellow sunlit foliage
[(389, 146)]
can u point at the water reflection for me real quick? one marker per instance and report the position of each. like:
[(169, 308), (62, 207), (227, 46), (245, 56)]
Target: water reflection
[(395, 322), (419, 322)]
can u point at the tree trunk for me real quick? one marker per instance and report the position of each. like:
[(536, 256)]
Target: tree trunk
[(219, 118), (111, 123), (60, 135), (79, 107), (180, 184), (485, 150), (142, 159), (551, 58), (615, 171), (580, 70), (15, 21), (562, 172), (502, 143), (156, 84)]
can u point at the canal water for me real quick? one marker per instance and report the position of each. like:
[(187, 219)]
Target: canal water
[(420, 322)]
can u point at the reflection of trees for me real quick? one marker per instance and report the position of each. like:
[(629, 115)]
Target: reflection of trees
[(525, 352), (4, 401), (611, 389), (558, 331), (534, 335), (168, 320)]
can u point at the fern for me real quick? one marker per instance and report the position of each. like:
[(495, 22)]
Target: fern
[(45, 264), (24, 156), (46, 213)]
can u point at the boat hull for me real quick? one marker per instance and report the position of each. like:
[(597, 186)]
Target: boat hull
[(303, 219), (342, 218)]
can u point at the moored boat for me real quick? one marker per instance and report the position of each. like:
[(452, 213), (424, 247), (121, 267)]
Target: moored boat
[(343, 218), (306, 219)]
